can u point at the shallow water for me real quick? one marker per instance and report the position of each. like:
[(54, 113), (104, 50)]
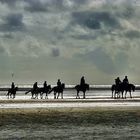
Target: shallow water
[(71, 94)]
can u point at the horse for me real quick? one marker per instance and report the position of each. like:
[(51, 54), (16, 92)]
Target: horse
[(58, 90), (115, 91), (82, 88), (45, 90), (33, 92), (129, 88), (121, 88), (12, 92)]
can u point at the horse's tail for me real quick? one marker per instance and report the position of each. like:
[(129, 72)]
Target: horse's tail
[(133, 87), (87, 85), (112, 87), (76, 87), (51, 90), (8, 92), (28, 91)]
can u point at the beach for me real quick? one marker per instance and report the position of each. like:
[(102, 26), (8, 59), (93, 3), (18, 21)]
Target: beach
[(70, 123), (96, 117)]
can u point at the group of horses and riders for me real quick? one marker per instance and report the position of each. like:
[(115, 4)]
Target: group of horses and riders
[(47, 89), (122, 87), (118, 89)]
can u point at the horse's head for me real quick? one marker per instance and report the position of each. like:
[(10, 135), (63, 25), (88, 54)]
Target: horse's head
[(133, 87), (49, 87), (63, 85), (16, 88), (87, 86), (76, 87)]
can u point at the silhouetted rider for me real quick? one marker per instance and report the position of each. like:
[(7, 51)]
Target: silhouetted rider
[(117, 81), (125, 80), (35, 86), (45, 84), (59, 83), (12, 85), (82, 82)]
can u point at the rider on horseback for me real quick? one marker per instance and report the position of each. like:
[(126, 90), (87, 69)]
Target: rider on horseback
[(82, 82), (13, 86), (35, 86), (117, 81), (125, 80), (45, 84), (58, 83)]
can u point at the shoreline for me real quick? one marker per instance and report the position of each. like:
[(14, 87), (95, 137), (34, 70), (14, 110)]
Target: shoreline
[(49, 104)]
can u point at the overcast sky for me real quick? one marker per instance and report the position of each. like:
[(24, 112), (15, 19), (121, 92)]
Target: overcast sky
[(50, 39)]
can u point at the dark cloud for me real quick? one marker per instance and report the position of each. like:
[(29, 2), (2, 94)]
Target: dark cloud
[(84, 37), (36, 6), (93, 20), (13, 22), (8, 36), (132, 34), (80, 1), (9, 2), (55, 52)]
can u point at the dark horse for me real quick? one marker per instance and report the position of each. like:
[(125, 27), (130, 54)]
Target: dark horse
[(121, 88), (82, 88), (34, 93), (40, 91), (58, 90), (12, 92), (44, 90)]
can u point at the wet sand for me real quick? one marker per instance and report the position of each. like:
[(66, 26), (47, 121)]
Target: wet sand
[(69, 119), (70, 123)]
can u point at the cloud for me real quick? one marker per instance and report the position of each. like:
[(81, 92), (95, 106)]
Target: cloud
[(9, 2), (132, 34), (94, 20), (13, 22), (2, 50), (36, 6), (101, 60), (55, 52)]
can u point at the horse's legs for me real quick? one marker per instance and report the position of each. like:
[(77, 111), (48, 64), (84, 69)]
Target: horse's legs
[(7, 95), (77, 96), (119, 96), (41, 95), (112, 94), (32, 97), (125, 94), (54, 95), (10, 95), (14, 95), (84, 95), (61, 95), (58, 95), (115, 95), (36, 95), (46, 97), (122, 94), (130, 94)]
